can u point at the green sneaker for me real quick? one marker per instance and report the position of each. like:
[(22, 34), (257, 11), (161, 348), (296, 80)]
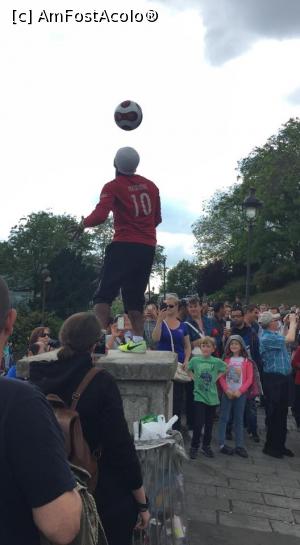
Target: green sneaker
[(137, 348)]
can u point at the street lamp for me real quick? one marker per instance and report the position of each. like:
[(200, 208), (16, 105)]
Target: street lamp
[(251, 205), (164, 274), (46, 279)]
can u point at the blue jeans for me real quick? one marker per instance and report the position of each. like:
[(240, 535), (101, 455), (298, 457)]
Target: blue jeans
[(238, 407)]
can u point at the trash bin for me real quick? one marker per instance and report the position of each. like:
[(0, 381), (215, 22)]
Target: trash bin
[(161, 463)]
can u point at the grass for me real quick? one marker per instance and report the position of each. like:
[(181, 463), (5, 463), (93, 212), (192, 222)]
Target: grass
[(289, 294)]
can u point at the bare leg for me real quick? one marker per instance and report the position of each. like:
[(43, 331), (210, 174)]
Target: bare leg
[(102, 311), (137, 321)]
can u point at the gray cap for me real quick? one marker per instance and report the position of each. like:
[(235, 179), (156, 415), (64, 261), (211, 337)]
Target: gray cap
[(126, 161), (267, 317)]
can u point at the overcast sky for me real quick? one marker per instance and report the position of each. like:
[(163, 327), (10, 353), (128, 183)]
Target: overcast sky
[(214, 79)]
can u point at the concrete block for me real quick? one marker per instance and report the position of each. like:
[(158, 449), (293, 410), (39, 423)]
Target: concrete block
[(243, 475), (256, 487), (264, 511), (296, 516), (281, 501), (286, 529), (251, 468), (236, 520), (200, 490), (243, 495), (208, 502), (291, 492), (203, 515)]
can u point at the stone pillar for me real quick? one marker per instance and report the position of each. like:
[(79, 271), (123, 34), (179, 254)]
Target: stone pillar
[(144, 380)]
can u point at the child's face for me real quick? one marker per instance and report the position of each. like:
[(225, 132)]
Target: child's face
[(235, 347), (207, 349)]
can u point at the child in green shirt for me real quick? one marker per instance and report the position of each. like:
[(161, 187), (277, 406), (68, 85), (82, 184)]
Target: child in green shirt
[(205, 371)]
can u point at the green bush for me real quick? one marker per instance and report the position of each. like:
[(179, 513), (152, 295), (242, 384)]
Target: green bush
[(278, 277)]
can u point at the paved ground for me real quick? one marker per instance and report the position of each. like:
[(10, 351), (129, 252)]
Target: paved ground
[(255, 501)]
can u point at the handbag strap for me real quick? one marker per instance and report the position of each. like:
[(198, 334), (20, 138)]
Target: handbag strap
[(83, 385), (195, 329), (171, 336)]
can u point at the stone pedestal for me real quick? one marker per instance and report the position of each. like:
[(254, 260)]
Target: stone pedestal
[(144, 380)]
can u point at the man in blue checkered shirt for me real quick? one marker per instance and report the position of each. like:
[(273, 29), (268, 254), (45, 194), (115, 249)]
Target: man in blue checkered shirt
[(277, 370)]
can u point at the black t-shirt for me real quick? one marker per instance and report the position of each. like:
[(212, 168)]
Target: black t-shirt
[(33, 466)]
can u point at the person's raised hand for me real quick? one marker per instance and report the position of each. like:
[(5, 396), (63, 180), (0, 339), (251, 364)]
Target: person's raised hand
[(75, 231)]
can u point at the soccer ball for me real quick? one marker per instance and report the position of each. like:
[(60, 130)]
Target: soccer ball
[(128, 115)]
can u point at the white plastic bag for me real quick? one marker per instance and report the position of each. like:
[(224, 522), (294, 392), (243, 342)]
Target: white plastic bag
[(157, 430)]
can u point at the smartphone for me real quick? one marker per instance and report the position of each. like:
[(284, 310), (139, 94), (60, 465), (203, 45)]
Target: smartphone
[(120, 322), (228, 324), (163, 306)]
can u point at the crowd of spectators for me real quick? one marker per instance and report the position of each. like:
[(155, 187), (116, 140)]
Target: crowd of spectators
[(234, 356)]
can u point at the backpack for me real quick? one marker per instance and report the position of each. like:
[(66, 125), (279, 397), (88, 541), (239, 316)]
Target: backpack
[(83, 464), (78, 451)]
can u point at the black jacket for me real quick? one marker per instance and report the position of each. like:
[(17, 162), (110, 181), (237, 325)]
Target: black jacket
[(103, 423)]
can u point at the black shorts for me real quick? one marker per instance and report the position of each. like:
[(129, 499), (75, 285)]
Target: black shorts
[(127, 267)]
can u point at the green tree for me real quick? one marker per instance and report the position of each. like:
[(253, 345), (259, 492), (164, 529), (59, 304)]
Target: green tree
[(73, 282), (182, 279), (274, 171), (101, 236), (34, 242), (212, 277)]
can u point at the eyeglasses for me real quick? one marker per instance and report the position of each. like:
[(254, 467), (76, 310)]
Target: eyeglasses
[(45, 335), (170, 306)]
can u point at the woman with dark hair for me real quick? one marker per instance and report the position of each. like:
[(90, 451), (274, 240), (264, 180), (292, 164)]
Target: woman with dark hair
[(40, 335), (119, 494)]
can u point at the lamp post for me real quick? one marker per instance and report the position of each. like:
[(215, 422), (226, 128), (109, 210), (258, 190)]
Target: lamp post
[(251, 205), (46, 279), (164, 274)]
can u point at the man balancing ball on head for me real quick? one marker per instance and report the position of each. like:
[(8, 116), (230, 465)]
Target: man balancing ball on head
[(135, 204)]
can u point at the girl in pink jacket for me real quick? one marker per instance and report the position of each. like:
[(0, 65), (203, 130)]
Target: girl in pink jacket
[(234, 384)]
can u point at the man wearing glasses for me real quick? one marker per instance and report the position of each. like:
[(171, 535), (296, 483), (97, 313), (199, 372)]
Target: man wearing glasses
[(277, 370)]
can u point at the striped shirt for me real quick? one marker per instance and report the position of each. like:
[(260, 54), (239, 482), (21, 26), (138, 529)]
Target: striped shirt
[(274, 354)]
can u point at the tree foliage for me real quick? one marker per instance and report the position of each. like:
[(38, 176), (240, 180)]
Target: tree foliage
[(274, 171), (182, 279), (73, 282), (212, 277)]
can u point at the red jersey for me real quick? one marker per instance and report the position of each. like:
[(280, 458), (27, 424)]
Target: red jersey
[(135, 204)]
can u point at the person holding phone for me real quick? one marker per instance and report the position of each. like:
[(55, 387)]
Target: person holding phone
[(172, 335), (121, 332), (277, 371)]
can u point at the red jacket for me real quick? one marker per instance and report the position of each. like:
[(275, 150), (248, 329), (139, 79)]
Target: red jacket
[(135, 204), (246, 379)]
